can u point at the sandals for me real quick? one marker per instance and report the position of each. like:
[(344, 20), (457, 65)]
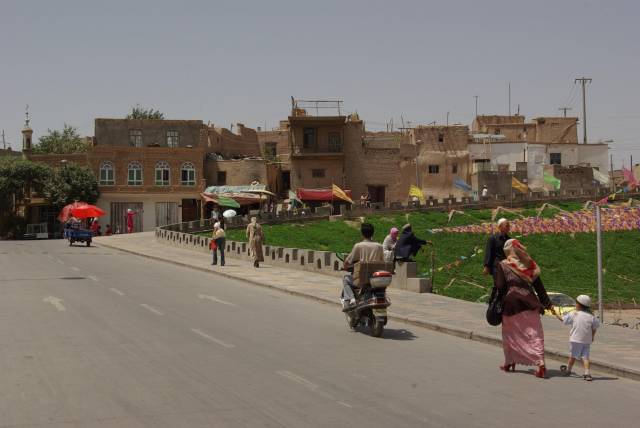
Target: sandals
[(508, 367)]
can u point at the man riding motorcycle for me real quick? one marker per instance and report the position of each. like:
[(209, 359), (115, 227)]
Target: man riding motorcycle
[(364, 251)]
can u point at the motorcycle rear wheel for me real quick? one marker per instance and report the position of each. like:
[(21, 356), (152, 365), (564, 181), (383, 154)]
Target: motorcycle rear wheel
[(376, 328)]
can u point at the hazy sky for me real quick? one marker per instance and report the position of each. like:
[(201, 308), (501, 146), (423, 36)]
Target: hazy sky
[(240, 61)]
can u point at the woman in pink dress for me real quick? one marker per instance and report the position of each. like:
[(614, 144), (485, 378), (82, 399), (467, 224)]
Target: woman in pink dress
[(524, 300)]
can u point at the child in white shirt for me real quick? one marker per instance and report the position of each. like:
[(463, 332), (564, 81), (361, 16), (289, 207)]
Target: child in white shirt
[(583, 330)]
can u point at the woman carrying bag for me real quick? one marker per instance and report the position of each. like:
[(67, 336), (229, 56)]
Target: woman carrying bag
[(523, 299)]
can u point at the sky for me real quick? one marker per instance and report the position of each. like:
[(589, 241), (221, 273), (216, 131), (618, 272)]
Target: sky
[(240, 61)]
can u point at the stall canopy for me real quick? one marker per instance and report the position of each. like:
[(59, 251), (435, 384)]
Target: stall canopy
[(251, 188), (324, 195)]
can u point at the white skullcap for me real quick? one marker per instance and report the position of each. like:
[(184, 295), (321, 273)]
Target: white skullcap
[(584, 300), (502, 221)]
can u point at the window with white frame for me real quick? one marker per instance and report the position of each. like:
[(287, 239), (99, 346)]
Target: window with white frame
[(188, 174), (134, 174), (173, 138), (107, 174), (163, 174), (135, 137)]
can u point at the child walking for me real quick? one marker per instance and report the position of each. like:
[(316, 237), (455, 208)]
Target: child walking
[(583, 330)]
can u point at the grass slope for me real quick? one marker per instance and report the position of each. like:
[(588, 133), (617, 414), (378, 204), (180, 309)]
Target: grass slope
[(568, 262)]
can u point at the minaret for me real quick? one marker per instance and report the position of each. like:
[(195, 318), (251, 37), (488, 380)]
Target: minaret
[(27, 133)]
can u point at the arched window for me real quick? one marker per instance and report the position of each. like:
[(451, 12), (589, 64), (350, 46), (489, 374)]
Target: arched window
[(188, 174), (134, 174), (163, 174), (107, 174)]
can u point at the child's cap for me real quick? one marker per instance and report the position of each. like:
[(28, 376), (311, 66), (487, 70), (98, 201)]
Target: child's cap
[(584, 300)]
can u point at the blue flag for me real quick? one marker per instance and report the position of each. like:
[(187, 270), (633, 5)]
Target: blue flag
[(461, 184)]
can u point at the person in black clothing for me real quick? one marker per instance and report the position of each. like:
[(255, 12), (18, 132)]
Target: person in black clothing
[(408, 245), (494, 251)]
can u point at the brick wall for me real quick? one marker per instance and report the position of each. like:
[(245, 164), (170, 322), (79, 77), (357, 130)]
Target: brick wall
[(115, 132)]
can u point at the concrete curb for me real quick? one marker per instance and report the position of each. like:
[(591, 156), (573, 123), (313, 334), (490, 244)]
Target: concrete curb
[(602, 366)]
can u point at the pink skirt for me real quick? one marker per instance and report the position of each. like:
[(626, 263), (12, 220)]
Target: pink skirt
[(523, 338)]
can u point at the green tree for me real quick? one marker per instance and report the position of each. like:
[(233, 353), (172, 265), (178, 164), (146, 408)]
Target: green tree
[(16, 176), (69, 183), (140, 112), (61, 142)]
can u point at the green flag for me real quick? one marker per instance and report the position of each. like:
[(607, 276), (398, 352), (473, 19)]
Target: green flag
[(550, 179)]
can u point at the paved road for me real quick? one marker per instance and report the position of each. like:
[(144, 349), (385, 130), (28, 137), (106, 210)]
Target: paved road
[(91, 337)]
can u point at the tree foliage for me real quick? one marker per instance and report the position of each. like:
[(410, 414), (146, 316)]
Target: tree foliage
[(16, 175), (61, 142), (140, 112), (70, 183)]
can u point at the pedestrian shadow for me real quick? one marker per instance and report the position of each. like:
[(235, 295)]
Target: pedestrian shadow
[(398, 334)]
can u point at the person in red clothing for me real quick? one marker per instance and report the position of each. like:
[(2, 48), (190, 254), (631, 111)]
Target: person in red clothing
[(95, 227), (524, 300), (130, 214)]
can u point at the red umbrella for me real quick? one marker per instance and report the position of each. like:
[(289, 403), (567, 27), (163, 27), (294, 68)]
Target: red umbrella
[(86, 211), (66, 211)]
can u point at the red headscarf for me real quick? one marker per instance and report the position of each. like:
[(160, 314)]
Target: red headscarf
[(519, 261)]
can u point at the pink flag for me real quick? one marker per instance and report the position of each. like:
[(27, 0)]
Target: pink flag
[(629, 177)]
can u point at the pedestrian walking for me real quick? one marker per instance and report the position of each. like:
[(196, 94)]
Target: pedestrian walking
[(583, 330), (494, 250), (485, 191), (255, 235), (524, 299), (218, 243)]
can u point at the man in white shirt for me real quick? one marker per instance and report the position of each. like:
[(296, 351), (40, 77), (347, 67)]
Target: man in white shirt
[(364, 251)]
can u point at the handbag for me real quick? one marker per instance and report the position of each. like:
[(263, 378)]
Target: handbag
[(494, 310), (213, 246)]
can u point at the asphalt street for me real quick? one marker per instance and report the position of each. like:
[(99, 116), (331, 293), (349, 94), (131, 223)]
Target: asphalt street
[(93, 337)]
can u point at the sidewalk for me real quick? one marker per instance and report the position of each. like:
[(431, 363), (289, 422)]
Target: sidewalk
[(616, 349)]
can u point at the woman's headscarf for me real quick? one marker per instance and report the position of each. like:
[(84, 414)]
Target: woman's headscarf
[(520, 262), (394, 233)]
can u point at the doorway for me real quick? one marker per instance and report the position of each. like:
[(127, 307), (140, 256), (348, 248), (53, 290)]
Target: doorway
[(286, 182), (376, 194), (189, 210), (119, 216), (166, 213)]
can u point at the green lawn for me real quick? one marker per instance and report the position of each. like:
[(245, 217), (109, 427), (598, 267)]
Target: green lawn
[(568, 262)]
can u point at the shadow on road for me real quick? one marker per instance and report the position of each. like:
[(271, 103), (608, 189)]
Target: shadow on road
[(398, 334)]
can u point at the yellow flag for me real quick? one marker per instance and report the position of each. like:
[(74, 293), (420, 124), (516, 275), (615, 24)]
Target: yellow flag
[(340, 194), (518, 185), (417, 192)]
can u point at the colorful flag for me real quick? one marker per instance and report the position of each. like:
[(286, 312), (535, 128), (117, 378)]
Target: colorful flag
[(600, 177), (461, 184), (518, 185), (417, 192), (340, 194), (550, 179)]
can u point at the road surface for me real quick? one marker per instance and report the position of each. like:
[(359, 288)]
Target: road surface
[(93, 337)]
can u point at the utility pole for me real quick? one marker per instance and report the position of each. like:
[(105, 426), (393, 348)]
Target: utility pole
[(447, 118), (564, 110), (509, 98), (613, 185), (599, 253), (476, 97), (584, 81), (4, 143)]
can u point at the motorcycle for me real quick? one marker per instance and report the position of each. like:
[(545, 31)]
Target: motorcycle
[(371, 305)]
